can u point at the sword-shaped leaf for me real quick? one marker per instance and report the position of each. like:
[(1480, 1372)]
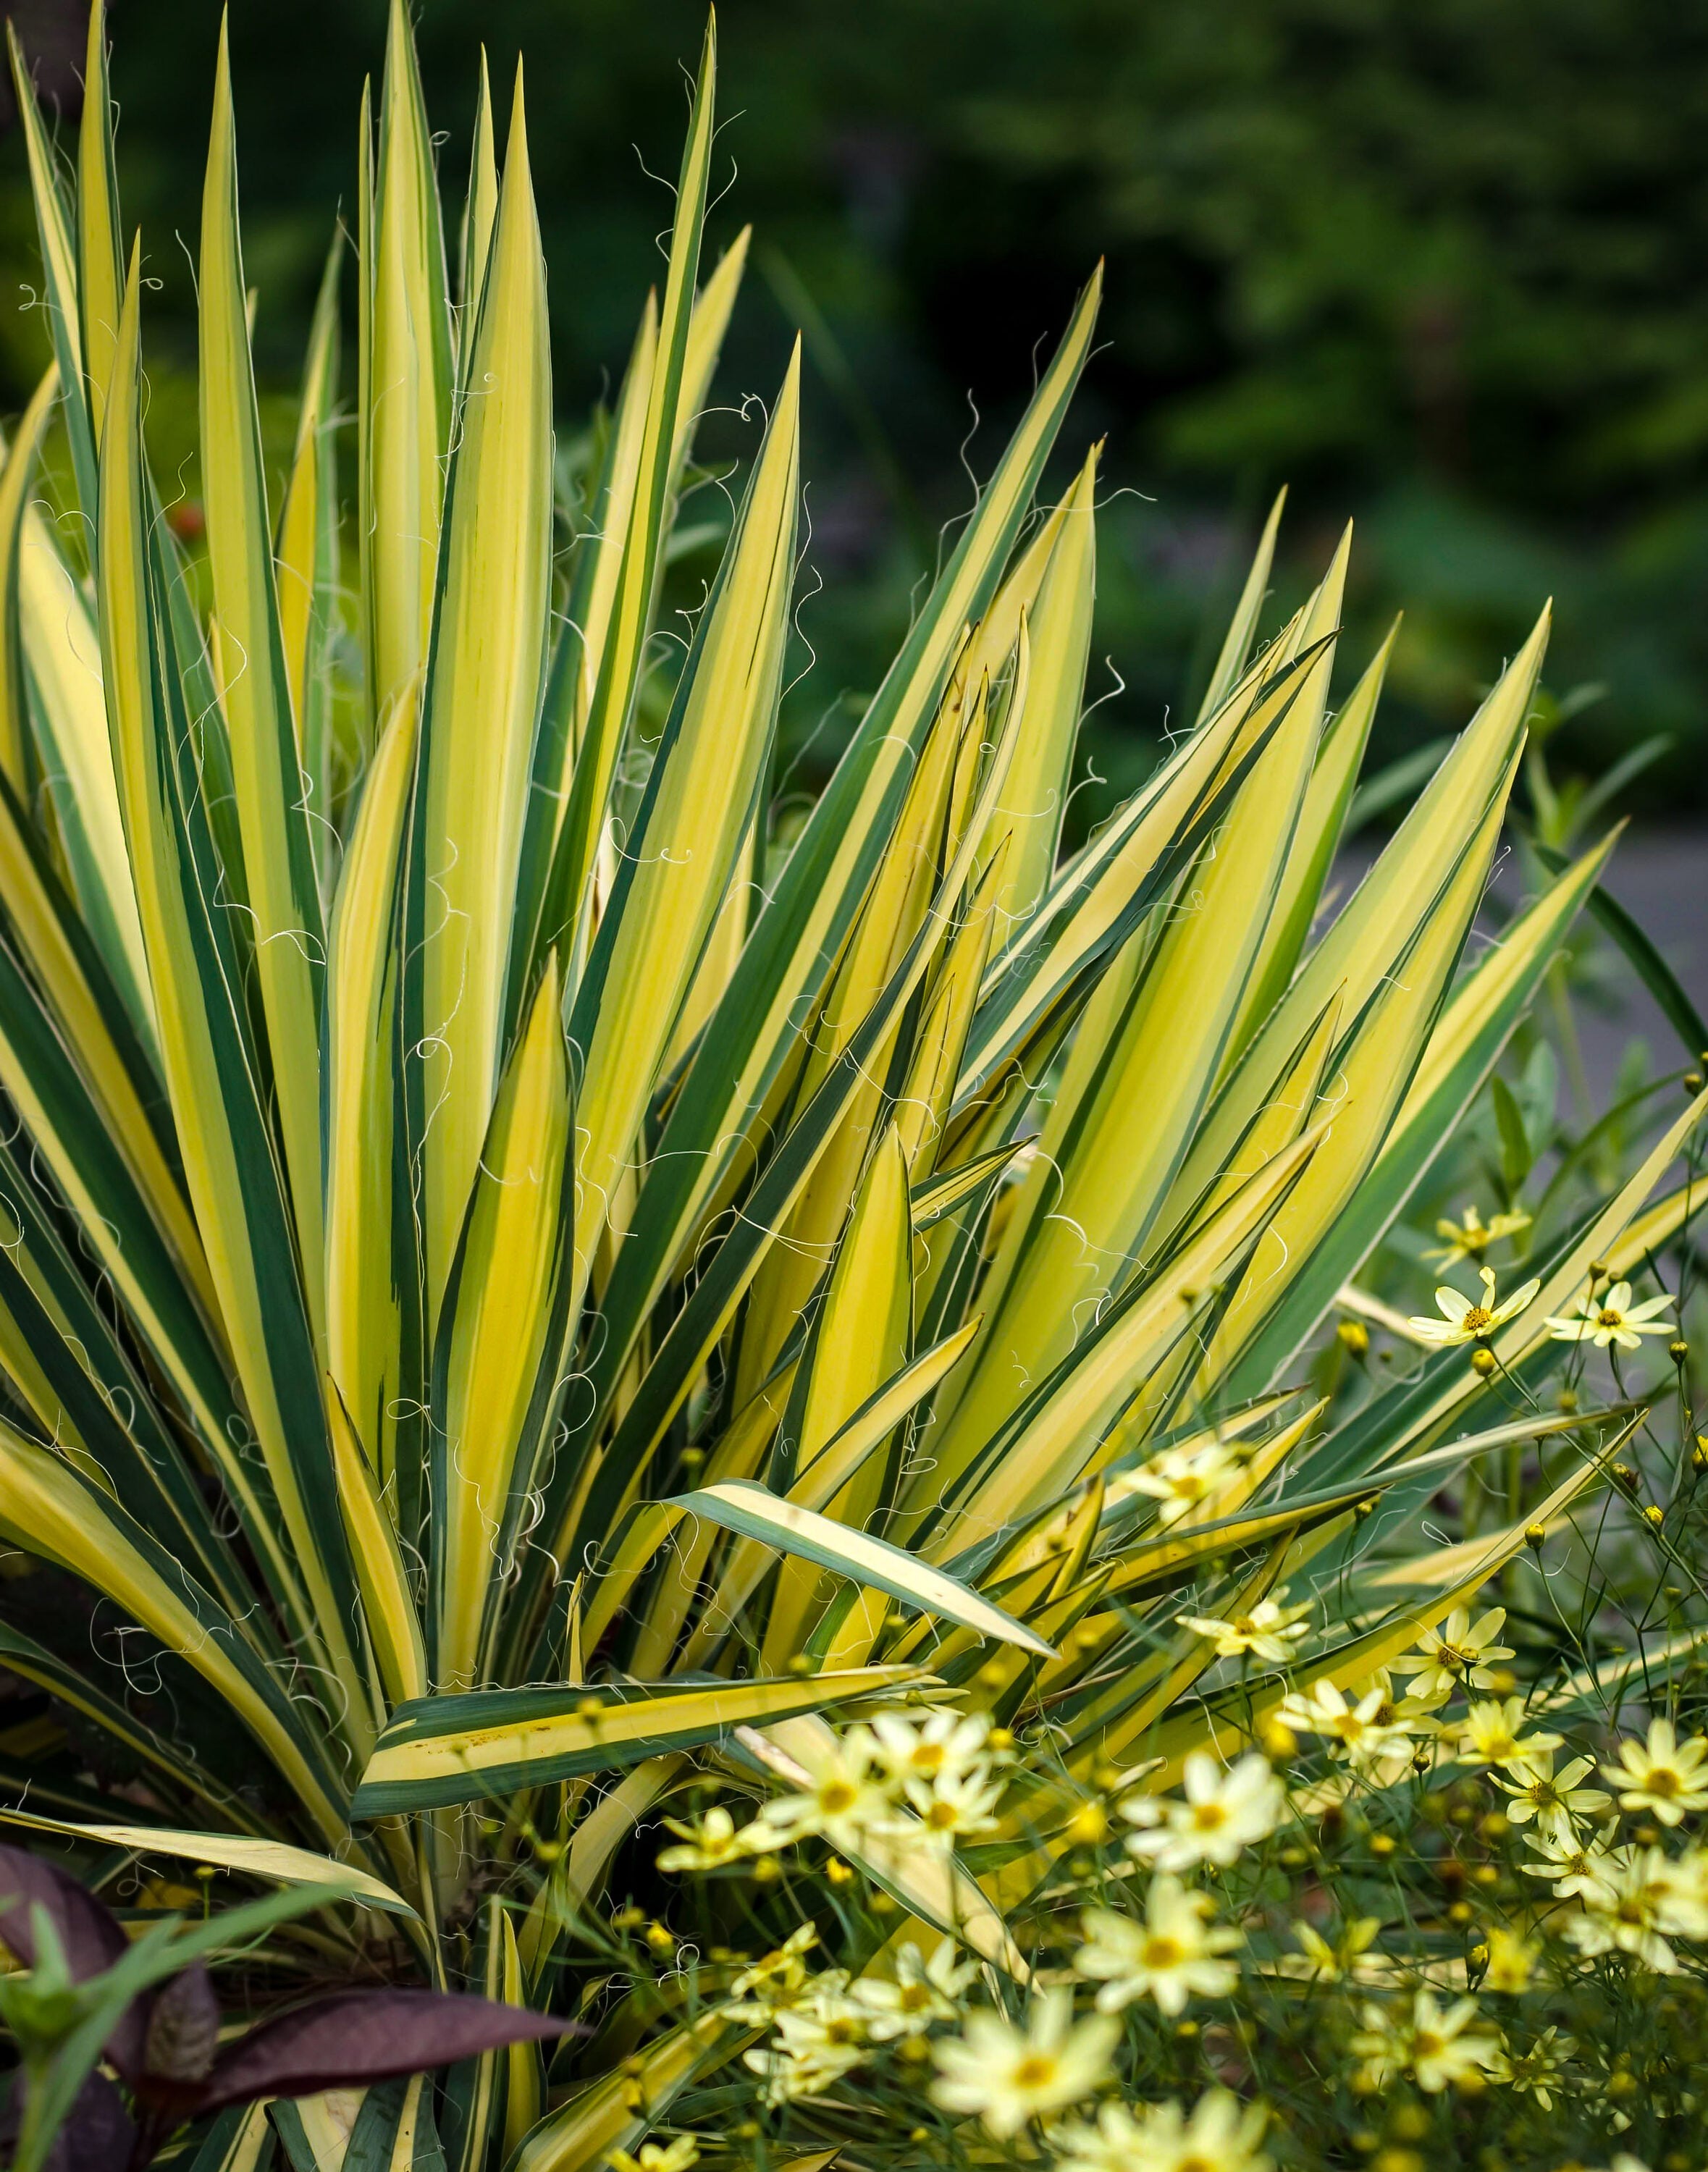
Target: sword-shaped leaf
[(486, 1744)]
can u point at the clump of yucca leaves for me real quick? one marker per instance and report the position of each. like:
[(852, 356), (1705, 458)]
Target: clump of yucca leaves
[(512, 1278)]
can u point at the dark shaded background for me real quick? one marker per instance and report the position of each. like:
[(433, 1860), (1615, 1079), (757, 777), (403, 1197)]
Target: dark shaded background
[(1437, 264)]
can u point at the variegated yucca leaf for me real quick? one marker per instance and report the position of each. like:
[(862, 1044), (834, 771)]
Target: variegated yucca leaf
[(514, 1275)]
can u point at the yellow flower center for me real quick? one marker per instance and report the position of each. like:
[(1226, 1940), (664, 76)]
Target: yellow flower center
[(1426, 2044), (941, 1816), (1164, 1953), (1478, 1320), (1208, 1817), (1662, 1780), (926, 1757), (1631, 1911), (1036, 2070), (837, 1797), (915, 1998), (1607, 1317), (840, 2031)]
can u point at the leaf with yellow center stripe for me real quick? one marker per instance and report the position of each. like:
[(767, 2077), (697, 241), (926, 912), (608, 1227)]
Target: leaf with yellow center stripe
[(685, 849), (804, 923), (478, 707), (566, 900), (45, 1507), (363, 1326), (101, 261), (309, 546), (59, 271), (278, 859), (485, 1744), (753, 1512), (1131, 1091), (233, 1180), (404, 369), (501, 1336), (271, 1859)]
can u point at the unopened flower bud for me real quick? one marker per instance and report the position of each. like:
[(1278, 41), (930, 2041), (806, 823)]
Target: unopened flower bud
[(1535, 1537), (1484, 1363), (1355, 1336), (1279, 1743), (1679, 1350), (1654, 1516)]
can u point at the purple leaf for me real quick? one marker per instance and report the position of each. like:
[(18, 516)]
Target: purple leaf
[(356, 2036), (97, 2136), (88, 1933), (179, 2045)]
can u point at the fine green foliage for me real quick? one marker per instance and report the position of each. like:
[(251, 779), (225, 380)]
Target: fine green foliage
[(521, 1268)]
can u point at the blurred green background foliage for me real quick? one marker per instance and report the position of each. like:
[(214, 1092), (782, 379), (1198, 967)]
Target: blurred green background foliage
[(1435, 264)]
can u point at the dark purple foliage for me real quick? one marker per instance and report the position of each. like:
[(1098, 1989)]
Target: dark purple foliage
[(166, 2045)]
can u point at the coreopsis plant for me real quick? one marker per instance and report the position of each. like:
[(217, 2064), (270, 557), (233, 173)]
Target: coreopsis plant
[(527, 1286)]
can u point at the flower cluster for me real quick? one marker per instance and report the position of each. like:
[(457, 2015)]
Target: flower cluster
[(823, 2025), (926, 1783)]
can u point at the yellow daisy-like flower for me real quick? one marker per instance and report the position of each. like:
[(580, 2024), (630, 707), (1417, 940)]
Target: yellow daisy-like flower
[(1463, 1320), (1176, 1954), (1265, 1634), (1332, 1964), (1613, 1318), (778, 1980), (1470, 1237), (677, 2156), (1456, 1655), (1663, 1775), (1539, 2072), (1491, 1733), (1511, 1961), (1363, 1733), (711, 1844), (919, 1993), (1436, 2047), (1007, 2075), (1226, 1809), (1221, 2135), (1185, 1480), (1622, 1906), (1554, 1799)]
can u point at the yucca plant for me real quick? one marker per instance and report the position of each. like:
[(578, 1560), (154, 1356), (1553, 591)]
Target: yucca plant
[(514, 1276)]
